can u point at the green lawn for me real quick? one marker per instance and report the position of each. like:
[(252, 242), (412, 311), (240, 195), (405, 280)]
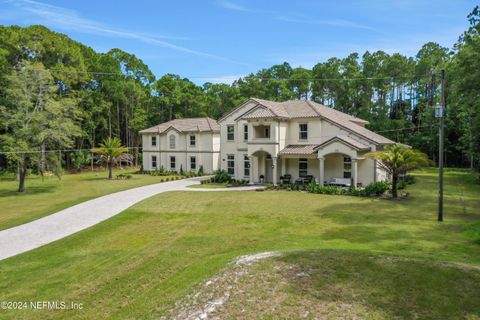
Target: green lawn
[(44, 197), (392, 258)]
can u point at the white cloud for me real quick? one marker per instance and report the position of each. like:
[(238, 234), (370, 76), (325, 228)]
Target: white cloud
[(334, 23), (287, 18), (231, 6), (66, 19)]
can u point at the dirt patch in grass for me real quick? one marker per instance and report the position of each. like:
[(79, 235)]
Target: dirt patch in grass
[(331, 285)]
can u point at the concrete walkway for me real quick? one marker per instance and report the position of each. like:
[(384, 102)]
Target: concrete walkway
[(63, 223)]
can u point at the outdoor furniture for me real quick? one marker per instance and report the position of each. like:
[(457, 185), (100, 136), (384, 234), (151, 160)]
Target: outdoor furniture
[(305, 180), (343, 182), (286, 179)]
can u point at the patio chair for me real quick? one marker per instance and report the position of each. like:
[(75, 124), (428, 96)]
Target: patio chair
[(287, 179)]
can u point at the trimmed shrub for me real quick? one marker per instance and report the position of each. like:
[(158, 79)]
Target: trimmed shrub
[(221, 176), (124, 176), (377, 188)]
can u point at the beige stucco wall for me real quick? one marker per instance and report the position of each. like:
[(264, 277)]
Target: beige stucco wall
[(206, 150)]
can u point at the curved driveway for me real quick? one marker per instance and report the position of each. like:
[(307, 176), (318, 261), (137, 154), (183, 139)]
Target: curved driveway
[(63, 223)]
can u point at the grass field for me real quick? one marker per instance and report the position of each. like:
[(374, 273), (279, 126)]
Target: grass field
[(43, 197), (386, 259)]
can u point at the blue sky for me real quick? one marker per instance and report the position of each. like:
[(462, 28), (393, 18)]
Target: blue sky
[(221, 40)]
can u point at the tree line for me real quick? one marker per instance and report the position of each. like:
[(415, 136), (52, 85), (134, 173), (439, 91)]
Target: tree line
[(58, 94)]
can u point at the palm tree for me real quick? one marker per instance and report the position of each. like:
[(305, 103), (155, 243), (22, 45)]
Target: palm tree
[(111, 152), (398, 159)]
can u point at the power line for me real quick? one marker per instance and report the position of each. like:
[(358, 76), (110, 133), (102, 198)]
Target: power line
[(63, 150), (401, 129)]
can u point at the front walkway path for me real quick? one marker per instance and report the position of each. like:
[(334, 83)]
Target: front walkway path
[(63, 223)]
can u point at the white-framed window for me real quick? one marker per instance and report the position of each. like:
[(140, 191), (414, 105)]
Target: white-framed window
[(245, 132), (267, 132), (231, 164), (302, 167), (173, 164), (246, 166), (154, 141), (230, 133), (171, 140), (347, 167), (154, 161), (303, 131), (193, 163), (193, 141)]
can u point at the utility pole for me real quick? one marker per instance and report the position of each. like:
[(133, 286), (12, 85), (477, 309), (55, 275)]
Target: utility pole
[(440, 114)]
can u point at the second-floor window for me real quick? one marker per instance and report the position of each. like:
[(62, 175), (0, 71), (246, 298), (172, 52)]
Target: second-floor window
[(193, 141), (303, 131), (230, 133), (267, 132), (172, 141), (154, 141), (245, 132)]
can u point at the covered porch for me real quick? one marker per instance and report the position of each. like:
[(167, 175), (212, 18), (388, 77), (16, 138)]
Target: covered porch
[(332, 163)]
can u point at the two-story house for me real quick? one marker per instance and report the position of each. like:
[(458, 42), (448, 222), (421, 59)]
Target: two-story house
[(182, 144), (263, 140)]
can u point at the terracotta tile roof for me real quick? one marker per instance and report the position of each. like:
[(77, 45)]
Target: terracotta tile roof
[(349, 140), (259, 113), (308, 109), (299, 149), (186, 125)]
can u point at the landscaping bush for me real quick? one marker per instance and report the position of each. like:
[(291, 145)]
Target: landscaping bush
[(315, 188), (402, 184), (200, 171), (409, 179), (221, 176), (377, 188), (123, 176)]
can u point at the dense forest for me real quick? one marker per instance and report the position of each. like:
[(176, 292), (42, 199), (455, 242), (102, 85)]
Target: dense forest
[(58, 94)]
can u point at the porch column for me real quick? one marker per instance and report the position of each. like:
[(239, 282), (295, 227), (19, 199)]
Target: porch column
[(274, 170), (321, 170), (354, 172), (284, 166)]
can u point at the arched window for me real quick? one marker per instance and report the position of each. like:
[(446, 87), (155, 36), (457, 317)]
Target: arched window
[(172, 141)]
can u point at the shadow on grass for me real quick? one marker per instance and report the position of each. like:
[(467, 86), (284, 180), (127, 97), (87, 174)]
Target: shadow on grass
[(390, 286), (28, 191)]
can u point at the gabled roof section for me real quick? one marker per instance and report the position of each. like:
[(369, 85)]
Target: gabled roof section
[(299, 149), (298, 109), (186, 125), (357, 145), (259, 112)]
